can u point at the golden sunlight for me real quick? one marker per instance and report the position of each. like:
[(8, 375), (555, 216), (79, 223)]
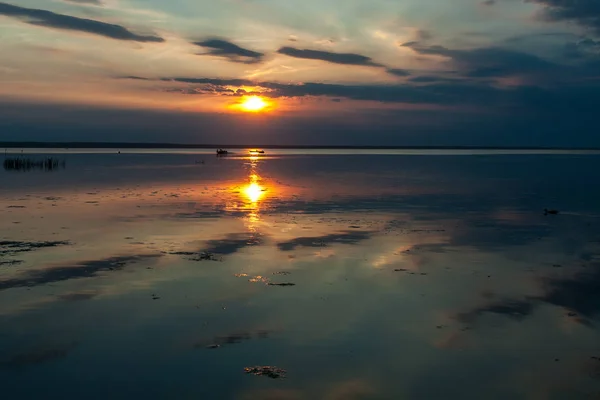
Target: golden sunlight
[(254, 192), (253, 104)]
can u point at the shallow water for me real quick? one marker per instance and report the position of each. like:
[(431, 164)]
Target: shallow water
[(415, 276)]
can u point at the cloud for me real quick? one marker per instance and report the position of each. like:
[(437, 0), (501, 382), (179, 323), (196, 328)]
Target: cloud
[(584, 12), (441, 94), (334, 58), (491, 62), (488, 2), (93, 2), (231, 51), (397, 72), (589, 45), (49, 19), (339, 58), (430, 79)]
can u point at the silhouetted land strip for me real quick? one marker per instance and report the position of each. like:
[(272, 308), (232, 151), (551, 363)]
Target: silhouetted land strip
[(128, 145), (27, 164)]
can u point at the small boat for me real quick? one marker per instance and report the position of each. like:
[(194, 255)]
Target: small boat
[(221, 152), (257, 152)]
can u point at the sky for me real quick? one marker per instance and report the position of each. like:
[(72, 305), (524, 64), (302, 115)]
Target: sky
[(331, 72)]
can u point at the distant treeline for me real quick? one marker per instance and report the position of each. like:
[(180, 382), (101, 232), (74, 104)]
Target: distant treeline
[(113, 145), (27, 164)]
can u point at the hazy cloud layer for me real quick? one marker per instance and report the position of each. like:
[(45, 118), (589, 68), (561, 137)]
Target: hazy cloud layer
[(440, 92), (49, 19)]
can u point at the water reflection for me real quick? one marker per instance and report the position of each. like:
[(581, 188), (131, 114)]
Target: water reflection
[(428, 270), (254, 193)]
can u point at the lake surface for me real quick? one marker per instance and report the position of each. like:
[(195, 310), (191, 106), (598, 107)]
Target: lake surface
[(354, 275)]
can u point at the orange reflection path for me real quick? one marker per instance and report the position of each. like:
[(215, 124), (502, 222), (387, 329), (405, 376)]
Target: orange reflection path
[(254, 193)]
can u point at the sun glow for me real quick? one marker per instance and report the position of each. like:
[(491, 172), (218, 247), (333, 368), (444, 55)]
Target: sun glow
[(253, 104), (254, 192)]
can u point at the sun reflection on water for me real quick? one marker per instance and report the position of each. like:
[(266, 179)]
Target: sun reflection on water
[(254, 193)]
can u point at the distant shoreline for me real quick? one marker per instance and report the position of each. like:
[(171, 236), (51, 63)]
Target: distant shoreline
[(113, 145)]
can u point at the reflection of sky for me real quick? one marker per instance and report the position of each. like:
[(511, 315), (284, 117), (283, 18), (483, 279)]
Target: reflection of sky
[(411, 273), (466, 72)]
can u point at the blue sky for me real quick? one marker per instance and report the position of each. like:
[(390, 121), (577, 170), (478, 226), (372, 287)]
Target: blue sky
[(384, 72)]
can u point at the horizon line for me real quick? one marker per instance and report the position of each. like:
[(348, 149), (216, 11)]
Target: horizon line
[(150, 145)]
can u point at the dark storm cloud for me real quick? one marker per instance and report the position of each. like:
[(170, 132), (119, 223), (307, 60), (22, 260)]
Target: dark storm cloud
[(489, 62), (86, 269), (230, 51), (583, 12), (334, 58), (349, 237), (49, 19)]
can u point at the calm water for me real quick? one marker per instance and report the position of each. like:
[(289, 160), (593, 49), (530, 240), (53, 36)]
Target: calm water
[(415, 276)]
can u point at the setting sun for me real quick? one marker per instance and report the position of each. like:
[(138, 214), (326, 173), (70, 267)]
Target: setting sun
[(253, 104)]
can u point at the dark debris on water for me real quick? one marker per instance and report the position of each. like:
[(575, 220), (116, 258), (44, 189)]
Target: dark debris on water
[(281, 284), (268, 371), (10, 262), (197, 256), (11, 247)]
